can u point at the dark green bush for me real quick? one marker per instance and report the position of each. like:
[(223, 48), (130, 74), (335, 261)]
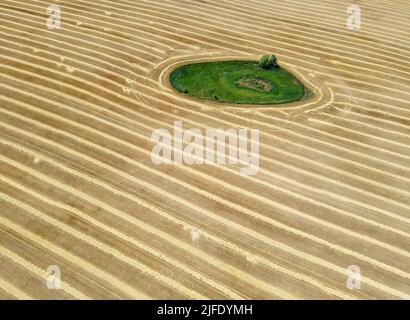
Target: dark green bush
[(264, 63), (268, 62), (273, 61)]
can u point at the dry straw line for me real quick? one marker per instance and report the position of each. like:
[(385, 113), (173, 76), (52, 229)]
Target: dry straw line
[(148, 62), (132, 146), (160, 255), (247, 278), (325, 142), (73, 23), (247, 48), (342, 21), (363, 112), (41, 273), (248, 254), (68, 256), (256, 235), (120, 256), (147, 153), (194, 20), (211, 196), (365, 123), (14, 291), (388, 168)]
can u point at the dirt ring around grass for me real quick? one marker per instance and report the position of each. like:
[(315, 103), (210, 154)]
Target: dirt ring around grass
[(323, 96), (320, 91)]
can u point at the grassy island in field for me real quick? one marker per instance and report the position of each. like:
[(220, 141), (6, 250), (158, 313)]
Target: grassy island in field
[(240, 82)]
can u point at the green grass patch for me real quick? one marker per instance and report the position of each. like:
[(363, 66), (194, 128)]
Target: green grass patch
[(240, 82)]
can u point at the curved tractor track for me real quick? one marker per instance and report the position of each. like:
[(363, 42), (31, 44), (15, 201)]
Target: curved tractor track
[(78, 189)]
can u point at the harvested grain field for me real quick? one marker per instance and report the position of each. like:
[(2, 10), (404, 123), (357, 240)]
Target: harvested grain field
[(81, 197)]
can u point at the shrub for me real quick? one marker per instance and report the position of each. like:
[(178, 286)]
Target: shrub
[(273, 61), (264, 63), (268, 62)]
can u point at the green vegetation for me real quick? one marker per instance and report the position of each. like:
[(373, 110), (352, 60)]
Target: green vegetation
[(240, 82), (264, 63), (268, 62)]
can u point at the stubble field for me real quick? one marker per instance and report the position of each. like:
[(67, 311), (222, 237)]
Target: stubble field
[(78, 188)]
